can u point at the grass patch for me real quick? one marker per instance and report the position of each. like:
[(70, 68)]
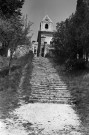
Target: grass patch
[(16, 71), (9, 97)]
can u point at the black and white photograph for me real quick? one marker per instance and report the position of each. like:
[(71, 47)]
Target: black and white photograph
[(44, 67)]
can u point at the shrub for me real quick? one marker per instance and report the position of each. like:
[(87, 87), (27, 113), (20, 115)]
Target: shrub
[(78, 64)]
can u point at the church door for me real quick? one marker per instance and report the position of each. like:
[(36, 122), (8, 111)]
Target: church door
[(42, 52)]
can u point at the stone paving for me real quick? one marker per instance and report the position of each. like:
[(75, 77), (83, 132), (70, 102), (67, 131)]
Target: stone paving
[(49, 110), (47, 86)]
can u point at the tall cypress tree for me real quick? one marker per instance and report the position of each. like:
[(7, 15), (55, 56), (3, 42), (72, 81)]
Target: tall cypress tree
[(81, 10), (80, 18)]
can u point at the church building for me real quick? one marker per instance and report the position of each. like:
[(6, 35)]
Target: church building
[(45, 35)]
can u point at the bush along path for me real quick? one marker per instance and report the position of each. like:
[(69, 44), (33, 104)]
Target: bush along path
[(45, 104)]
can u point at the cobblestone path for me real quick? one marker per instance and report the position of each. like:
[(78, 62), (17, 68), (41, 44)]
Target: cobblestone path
[(49, 110), (46, 84)]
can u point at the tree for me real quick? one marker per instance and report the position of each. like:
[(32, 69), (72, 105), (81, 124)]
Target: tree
[(10, 7), (26, 30), (16, 29), (9, 10), (18, 35), (71, 38), (64, 41)]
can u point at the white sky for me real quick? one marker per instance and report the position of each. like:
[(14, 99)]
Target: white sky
[(57, 10)]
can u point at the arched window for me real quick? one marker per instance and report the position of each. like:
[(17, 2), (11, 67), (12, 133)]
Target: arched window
[(46, 26)]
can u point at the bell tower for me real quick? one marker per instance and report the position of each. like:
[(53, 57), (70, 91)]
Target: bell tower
[(46, 24), (45, 35)]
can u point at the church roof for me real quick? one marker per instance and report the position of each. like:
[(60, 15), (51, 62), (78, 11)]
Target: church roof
[(46, 18)]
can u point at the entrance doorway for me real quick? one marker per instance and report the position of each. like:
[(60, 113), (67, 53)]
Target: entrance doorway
[(42, 52), (35, 51)]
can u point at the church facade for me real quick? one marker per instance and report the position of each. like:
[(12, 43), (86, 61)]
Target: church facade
[(45, 35)]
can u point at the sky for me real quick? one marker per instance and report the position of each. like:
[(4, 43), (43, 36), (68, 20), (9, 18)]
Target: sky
[(57, 10)]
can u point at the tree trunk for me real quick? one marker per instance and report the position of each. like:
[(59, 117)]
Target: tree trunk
[(86, 57), (10, 61), (81, 54)]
